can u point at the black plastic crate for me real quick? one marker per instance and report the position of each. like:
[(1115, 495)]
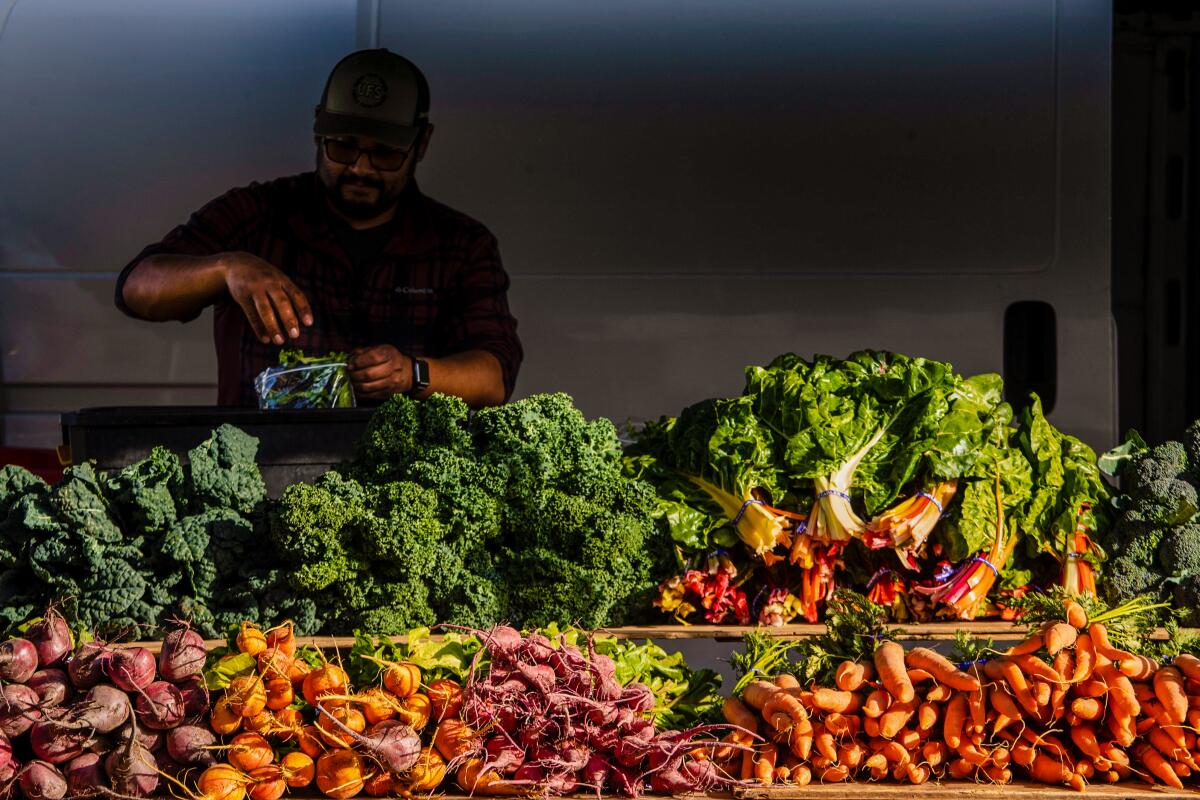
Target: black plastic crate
[(294, 445)]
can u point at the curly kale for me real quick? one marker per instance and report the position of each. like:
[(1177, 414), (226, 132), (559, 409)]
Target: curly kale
[(520, 513)]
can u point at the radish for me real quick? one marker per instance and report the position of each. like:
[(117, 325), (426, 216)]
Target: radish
[(183, 654), (86, 667), (104, 709), (160, 706), (192, 745), (85, 776), (19, 709), (195, 696), (53, 686), (51, 637), (130, 668), (393, 744)]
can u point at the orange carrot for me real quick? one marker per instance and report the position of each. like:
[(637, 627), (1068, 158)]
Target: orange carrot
[(1047, 769), (786, 680), (977, 701), (939, 694), (876, 703), (1121, 696), (1157, 765), (1076, 616), (834, 774), (757, 693), (736, 713), (871, 726), (1058, 636), (824, 743), (851, 754), (1084, 737), (1088, 708), (1006, 710), (851, 675), (960, 769), (942, 670), (802, 776), (935, 752), (1099, 635), (889, 663), (952, 723), (1189, 665), (836, 700), (1035, 667), (764, 764), (1017, 684), (895, 718), (1168, 687), (927, 717), (1030, 645)]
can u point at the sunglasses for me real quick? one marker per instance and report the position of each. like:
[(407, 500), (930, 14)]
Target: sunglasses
[(383, 158)]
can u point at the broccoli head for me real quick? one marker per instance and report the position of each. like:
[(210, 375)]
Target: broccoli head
[(1167, 460), (1136, 537), (1170, 501), (1179, 552), (1126, 578)]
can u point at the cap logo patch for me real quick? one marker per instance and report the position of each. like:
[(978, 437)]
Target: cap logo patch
[(370, 91)]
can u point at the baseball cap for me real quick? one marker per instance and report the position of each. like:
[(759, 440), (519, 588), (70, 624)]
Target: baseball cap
[(377, 94)]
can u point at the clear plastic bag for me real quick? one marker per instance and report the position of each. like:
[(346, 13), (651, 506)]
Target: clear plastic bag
[(325, 385)]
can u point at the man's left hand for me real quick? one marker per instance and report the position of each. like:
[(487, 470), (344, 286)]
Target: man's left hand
[(379, 372)]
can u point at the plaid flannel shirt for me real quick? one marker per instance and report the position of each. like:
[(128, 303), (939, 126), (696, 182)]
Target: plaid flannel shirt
[(436, 288)]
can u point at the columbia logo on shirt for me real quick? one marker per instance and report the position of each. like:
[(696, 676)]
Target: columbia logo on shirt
[(413, 290)]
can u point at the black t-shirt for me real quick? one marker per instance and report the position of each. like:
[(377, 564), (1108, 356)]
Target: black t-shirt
[(363, 246)]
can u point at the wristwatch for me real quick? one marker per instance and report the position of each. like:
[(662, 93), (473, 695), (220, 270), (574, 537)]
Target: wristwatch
[(420, 376)]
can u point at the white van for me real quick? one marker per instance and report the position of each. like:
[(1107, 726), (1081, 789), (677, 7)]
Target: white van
[(679, 189)]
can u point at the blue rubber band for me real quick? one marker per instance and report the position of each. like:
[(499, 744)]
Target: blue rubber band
[(933, 500), (833, 492), (989, 564), (746, 505), (801, 526)]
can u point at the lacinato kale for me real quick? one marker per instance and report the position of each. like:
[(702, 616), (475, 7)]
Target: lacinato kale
[(149, 542)]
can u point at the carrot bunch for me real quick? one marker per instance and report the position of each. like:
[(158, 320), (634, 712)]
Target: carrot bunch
[(301, 724), (1063, 707)]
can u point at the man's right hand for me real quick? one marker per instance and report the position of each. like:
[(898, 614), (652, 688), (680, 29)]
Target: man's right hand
[(272, 303)]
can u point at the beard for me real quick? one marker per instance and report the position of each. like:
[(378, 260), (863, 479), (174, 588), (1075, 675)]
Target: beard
[(357, 205)]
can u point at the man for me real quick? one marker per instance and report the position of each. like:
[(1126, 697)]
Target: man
[(351, 257)]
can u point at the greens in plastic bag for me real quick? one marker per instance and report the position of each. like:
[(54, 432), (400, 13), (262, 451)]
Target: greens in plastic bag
[(302, 381)]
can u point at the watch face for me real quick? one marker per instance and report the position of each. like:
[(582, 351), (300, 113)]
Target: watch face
[(420, 373)]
